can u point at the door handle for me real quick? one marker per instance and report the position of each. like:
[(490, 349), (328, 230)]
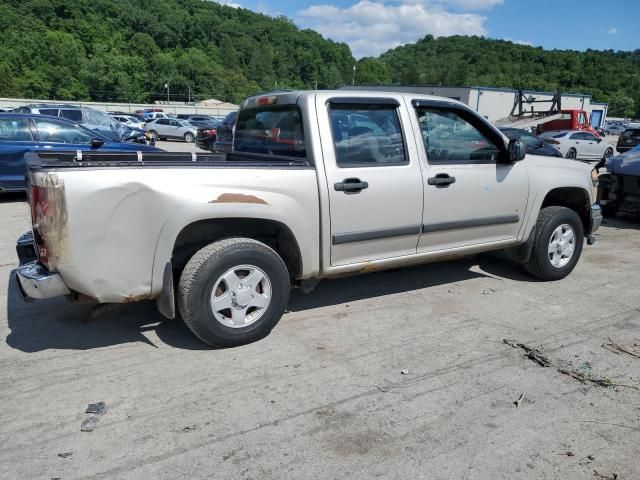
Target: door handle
[(350, 186), (441, 180)]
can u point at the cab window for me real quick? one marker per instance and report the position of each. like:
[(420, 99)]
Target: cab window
[(367, 135), (450, 138)]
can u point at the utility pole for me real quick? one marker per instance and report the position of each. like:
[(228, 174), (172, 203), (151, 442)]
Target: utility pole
[(316, 87), (189, 101), (166, 85), (353, 78)]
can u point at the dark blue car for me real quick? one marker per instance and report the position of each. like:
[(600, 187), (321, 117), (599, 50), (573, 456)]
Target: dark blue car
[(22, 133)]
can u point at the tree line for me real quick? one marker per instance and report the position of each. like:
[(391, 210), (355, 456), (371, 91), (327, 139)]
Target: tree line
[(127, 50)]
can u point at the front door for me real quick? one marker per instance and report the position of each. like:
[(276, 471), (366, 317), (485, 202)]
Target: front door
[(373, 177), (470, 196)]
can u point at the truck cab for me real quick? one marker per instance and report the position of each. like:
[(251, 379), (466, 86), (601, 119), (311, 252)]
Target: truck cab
[(569, 120)]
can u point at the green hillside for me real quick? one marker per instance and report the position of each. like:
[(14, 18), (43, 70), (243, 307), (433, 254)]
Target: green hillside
[(607, 75), (126, 50)]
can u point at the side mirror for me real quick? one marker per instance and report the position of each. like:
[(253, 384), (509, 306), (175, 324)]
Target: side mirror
[(517, 150), (96, 142)]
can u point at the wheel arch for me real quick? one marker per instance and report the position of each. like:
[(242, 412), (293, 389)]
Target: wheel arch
[(575, 198), (195, 235)]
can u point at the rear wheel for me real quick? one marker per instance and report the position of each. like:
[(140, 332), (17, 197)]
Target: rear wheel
[(572, 153), (607, 153), (189, 137), (154, 135), (559, 237), (233, 292)]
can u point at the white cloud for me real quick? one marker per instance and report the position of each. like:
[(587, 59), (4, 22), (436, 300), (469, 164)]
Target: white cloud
[(612, 30), (519, 42), (472, 4), (371, 28)]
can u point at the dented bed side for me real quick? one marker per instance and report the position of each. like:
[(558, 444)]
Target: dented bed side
[(112, 231)]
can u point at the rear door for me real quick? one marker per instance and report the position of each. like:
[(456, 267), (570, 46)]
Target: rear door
[(579, 144), (373, 177)]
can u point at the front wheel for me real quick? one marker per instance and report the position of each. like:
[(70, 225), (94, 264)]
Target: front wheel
[(572, 154), (557, 246), (189, 137), (233, 292), (154, 135), (607, 153)]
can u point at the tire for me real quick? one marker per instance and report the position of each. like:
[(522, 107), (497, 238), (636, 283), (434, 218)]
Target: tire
[(203, 280), (189, 137), (607, 153), (609, 210), (572, 154), (154, 135), (550, 220)]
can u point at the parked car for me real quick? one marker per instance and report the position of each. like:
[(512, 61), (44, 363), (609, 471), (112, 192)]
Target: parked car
[(615, 129), (206, 136), (90, 118), (223, 137), (130, 121), (197, 119), (619, 188), (299, 199), (535, 146), (168, 128), (578, 144), (22, 133), (628, 139), (153, 115)]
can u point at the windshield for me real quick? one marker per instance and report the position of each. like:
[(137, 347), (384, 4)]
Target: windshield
[(271, 131)]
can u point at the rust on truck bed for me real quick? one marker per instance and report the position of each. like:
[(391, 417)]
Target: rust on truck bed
[(238, 198)]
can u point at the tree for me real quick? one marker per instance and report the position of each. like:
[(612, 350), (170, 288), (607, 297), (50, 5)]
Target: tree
[(621, 105)]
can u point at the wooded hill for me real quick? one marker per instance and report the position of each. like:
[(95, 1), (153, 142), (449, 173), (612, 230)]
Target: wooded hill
[(126, 50)]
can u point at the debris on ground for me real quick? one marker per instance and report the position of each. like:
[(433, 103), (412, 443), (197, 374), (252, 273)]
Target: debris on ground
[(633, 349), (96, 408), (531, 353), (600, 476), (583, 374), (65, 454), (404, 372), (568, 454), (519, 400), (585, 378), (489, 291), (89, 424)]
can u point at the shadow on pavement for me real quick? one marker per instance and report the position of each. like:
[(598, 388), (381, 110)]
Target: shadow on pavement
[(622, 221), (11, 197), (56, 324)]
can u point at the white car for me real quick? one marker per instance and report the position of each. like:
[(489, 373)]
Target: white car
[(578, 144), (129, 121), (173, 129)]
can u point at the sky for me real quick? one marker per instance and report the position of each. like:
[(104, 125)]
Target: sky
[(371, 27)]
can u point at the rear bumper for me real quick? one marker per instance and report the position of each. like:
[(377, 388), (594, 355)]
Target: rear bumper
[(34, 280)]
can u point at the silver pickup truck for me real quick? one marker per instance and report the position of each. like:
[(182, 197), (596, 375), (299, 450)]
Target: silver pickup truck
[(319, 184)]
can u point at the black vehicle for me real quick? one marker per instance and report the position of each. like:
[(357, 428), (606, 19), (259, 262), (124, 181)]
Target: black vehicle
[(628, 139), (535, 146), (221, 140)]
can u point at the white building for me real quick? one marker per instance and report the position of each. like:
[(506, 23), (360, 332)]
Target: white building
[(497, 103)]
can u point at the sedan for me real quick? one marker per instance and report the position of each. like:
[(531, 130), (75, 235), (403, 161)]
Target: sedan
[(578, 144), (170, 128), (22, 133), (535, 146), (129, 121)]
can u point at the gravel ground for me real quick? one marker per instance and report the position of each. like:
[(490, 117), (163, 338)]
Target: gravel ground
[(394, 375)]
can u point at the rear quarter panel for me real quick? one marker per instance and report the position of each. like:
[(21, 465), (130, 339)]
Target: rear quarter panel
[(122, 223)]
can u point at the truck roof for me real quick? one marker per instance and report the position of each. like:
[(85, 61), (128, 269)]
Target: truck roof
[(290, 97)]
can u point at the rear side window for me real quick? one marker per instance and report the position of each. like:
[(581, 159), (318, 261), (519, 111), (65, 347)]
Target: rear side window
[(49, 111), (367, 135), (271, 131), (14, 130), (73, 115), (631, 133)]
